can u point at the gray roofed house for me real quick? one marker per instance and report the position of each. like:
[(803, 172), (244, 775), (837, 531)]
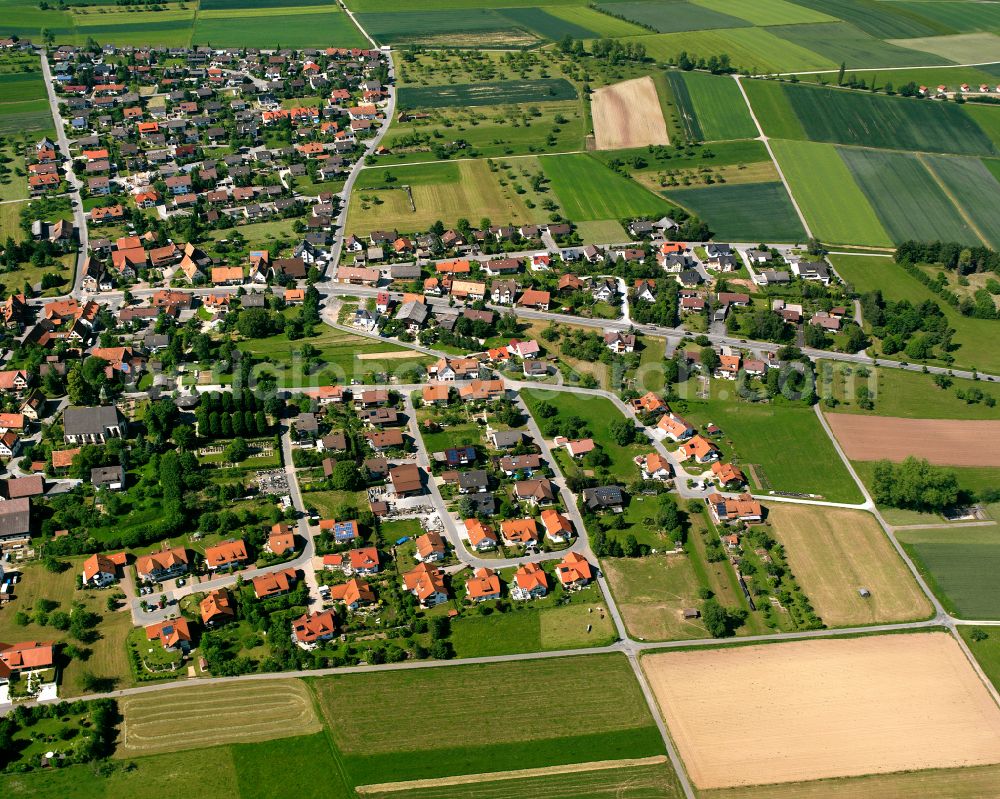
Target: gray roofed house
[(472, 482), (15, 518), (413, 313), (110, 477), (504, 439), (404, 272), (604, 498), (84, 425)]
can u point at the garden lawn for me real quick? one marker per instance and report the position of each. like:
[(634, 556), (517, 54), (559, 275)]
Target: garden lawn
[(712, 106), (744, 211), (836, 209), (589, 191), (786, 443), (598, 413), (612, 718), (961, 564)]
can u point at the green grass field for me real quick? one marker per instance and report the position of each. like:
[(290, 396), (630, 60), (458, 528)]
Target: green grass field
[(909, 202), (752, 50), (589, 191), (287, 30), (612, 718), (958, 17), (744, 211), (899, 393), (547, 25), (673, 17), (881, 20), (967, 48), (766, 12), (474, 27), (974, 190), (787, 443), (601, 24), (842, 116), (834, 206), (497, 93), (305, 767), (844, 43), (962, 565), (25, 115), (978, 345), (18, 86), (711, 106), (987, 651)]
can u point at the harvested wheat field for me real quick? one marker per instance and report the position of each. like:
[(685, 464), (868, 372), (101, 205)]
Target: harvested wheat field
[(946, 442), (833, 552), (628, 114), (826, 708), (209, 715)]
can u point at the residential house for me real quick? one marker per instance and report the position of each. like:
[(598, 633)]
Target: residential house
[(406, 479), (426, 584), (519, 532), (655, 467), (227, 556), (530, 582), (163, 565), (173, 634), (100, 571), (482, 537), (311, 629), (217, 608), (430, 547), (604, 498), (274, 584), (574, 571), (355, 594), (539, 491), (483, 586), (92, 425), (699, 448), (558, 528), (726, 510)]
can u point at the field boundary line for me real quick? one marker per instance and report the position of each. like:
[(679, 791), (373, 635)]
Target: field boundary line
[(921, 157), (767, 144), (503, 776)]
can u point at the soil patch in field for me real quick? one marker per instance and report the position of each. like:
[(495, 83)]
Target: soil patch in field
[(386, 356), (946, 442), (826, 708), (628, 114)]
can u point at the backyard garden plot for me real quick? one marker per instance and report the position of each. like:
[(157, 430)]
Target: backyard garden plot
[(588, 190), (672, 17), (967, 48), (712, 106), (787, 444), (628, 114), (209, 715), (310, 29), (826, 708), (909, 202), (767, 12), (881, 20), (834, 206), (834, 553), (472, 192), (946, 442), (842, 42), (751, 50), (744, 211), (497, 93), (961, 565), (612, 719), (894, 123)]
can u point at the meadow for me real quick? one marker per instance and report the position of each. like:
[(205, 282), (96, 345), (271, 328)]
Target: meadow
[(978, 344), (834, 553), (612, 719), (767, 12), (787, 444), (745, 211), (445, 191), (496, 93), (753, 50), (844, 43), (25, 115), (960, 564), (881, 20), (474, 27), (909, 201), (836, 209), (588, 190), (974, 190), (673, 17), (711, 106), (986, 651), (967, 48), (284, 29)]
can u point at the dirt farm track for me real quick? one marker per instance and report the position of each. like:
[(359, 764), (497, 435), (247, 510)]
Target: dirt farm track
[(628, 114), (826, 708), (946, 442)]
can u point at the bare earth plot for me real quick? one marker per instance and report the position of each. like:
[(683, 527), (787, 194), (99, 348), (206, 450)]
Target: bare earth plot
[(827, 708), (946, 442), (628, 114), (834, 552), (210, 715)]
